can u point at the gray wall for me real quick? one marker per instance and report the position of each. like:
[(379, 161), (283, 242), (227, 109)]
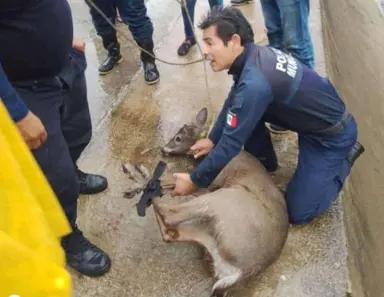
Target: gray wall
[(354, 47)]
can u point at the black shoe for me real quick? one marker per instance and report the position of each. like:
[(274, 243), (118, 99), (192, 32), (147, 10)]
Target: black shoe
[(277, 129), (83, 256), (151, 74), (186, 46), (240, 2), (355, 153), (109, 63), (91, 183), (113, 58)]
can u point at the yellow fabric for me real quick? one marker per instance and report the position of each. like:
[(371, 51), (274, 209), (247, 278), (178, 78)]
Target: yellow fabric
[(31, 223)]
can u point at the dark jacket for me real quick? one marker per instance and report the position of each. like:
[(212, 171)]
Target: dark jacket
[(36, 40), (269, 86)]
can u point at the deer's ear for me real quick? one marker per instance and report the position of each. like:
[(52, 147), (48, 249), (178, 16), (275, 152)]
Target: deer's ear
[(201, 117)]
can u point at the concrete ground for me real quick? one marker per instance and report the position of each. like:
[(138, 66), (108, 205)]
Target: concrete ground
[(128, 118)]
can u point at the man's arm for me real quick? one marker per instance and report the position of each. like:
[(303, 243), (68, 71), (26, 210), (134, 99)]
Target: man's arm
[(12, 101), (252, 98), (31, 128), (217, 129)]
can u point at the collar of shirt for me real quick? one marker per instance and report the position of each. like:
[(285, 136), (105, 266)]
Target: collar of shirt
[(238, 65)]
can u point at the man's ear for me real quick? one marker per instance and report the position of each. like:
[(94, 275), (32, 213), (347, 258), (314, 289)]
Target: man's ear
[(236, 40)]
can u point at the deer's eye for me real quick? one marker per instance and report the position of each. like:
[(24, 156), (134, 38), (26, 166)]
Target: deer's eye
[(178, 139)]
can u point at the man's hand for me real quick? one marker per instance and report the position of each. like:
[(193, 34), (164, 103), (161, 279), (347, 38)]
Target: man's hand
[(32, 130), (184, 185), (202, 147), (78, 44)]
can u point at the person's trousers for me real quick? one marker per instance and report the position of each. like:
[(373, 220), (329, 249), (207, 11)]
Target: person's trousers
[(132, 12), (287, 24), (321, 170), (190, 4), (61, 104)]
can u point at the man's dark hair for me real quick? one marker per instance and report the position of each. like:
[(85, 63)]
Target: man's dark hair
[(228, 21)]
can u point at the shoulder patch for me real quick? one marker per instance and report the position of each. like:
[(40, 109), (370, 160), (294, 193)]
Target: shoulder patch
[(231, 119)]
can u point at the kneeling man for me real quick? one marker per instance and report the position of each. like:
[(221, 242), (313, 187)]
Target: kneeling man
[(271, 86)]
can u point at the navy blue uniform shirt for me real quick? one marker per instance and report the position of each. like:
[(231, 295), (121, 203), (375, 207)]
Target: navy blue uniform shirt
[(36, 40), (269, 86)]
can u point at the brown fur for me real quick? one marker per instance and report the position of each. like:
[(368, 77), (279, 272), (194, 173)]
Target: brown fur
[(242, 223)]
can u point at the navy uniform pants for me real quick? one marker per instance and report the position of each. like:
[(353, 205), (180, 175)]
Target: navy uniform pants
[(132, 12), (61, 104), (321, 171)]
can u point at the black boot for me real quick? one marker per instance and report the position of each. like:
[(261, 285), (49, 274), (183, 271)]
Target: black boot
[(91, 183), (151, 74), (114, 57), (186, 46), (240, 2), (83, 256)]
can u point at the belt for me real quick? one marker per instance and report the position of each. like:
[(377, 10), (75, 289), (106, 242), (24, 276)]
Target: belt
[(337, 128)]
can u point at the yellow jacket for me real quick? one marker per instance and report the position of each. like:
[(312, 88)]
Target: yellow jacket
[(31, 223)]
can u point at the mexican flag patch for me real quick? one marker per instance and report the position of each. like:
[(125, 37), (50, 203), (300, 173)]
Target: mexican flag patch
[(231, 119)]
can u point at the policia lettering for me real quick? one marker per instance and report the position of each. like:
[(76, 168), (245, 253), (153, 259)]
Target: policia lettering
[(285, 63)]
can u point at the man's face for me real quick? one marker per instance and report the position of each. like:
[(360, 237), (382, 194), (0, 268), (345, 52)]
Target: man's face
[(214, 49)]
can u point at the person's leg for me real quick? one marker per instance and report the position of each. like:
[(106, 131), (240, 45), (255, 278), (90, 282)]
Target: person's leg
[(297, 38), (188, 27), (272, 21), (134, 13), (45, 100), (53, 157), (322, 169), (107, 33), (259, 144), (213, 3), (190, 39), (76, 120)]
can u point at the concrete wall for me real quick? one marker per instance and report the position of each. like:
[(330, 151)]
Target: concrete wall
[(354, 48)]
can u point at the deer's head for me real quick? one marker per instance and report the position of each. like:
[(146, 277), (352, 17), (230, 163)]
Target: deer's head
[(187, 135)]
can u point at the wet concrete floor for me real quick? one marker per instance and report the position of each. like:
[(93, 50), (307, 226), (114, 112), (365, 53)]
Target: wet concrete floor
[(128, 118)]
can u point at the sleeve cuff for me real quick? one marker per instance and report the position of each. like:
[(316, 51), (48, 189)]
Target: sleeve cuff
[(15, 106), (214, 138), (201, 182)]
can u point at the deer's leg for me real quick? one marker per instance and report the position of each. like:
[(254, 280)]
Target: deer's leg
[(191, 233), (134, 189), (187, 233), (173, 215), (226, 274), (135, 173), (163, 229)]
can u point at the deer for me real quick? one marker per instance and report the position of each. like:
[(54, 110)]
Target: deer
[(240, 220)]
